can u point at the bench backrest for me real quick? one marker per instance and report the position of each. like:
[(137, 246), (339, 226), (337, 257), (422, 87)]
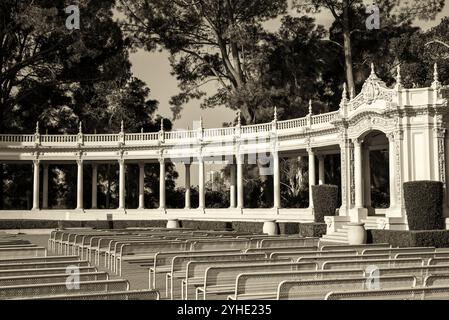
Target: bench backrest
[(25, 272), (227, 274), (37, 265), (394, 251), (165, 258), (301, 254), (431, 293), (39, 259), (288, 242), (179, 263), (438, 261), (358, 247), (119, 295), (61, 288), (282, 249), (197, 269), (22, 252), (380, 263), (419, 272), (220, 244), (151, 248), (317, 289), (440, 280), (253, 282), (50, 278), (322, 259)]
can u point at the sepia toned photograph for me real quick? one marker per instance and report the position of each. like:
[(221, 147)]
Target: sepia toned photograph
[(242, 151)]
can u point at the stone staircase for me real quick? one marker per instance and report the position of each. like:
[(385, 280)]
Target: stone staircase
[(371, 223), (339, 236)]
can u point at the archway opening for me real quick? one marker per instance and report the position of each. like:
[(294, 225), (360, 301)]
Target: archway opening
[(376, 175)]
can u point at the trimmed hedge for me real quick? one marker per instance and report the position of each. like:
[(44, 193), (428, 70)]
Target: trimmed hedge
[(403, 238), (424, 205), (313, 229), (325, 201)]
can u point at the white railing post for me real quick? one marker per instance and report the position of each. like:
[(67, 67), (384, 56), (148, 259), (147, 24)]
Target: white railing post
[(121, 134), (309, 116), (37, 136), (161, 136), (80, 135)]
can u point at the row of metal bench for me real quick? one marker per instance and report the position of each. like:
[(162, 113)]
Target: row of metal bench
[(26, 272), (211, 264)]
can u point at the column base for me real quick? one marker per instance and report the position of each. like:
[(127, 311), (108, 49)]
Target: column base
[(271, 228), (172, 224), (357, 214), (333, 223)]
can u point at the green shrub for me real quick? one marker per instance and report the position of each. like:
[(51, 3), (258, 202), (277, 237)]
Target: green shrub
[(424, 204), (402, 238), (325, 201)]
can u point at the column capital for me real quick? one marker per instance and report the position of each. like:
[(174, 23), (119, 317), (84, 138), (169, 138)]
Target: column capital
[(79, 161), (141, 164), (239, 159), (161, 160), (121, 161), (36, 162), (310, 150), (320, 156), (357, 142)]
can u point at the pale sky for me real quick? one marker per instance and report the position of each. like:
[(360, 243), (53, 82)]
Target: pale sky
[(154, 69)]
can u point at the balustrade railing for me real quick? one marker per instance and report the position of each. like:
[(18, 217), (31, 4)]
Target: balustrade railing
[(291, 124), (324, 117), (171, 135)]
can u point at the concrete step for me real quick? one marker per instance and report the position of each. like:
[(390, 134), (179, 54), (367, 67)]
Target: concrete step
[(334, 241)]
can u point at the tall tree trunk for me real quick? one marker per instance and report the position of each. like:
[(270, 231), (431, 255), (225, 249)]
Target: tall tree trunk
[(347, 47)]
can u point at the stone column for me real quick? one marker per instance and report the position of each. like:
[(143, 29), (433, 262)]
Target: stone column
[(162, 183), (187, 185), (79, 185), (201, 190), (311, 175), (122, 169), (35, 184), (45, 188), (391, 173), (94, 185), (141, 185), (232, 187), (366, 178), (240, 201), (276, 181), (321, 173), (358, 172), (79, 189)]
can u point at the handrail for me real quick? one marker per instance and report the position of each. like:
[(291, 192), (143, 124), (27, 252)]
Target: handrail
[(279, 126)]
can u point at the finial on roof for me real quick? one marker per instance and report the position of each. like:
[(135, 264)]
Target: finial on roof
[(201, 122), (351, 94), (373, 72), (37, 127), (344, 95), (162, 124), (239, 116), (436, 82), (275, 113), (122, 127), (310, 106), (141, 129), (398, 77), (80, 127)]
